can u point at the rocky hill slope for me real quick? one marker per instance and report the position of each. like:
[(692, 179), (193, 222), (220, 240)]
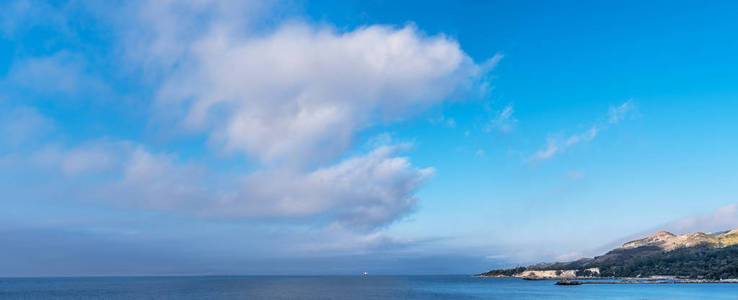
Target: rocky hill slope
[(668, 241)]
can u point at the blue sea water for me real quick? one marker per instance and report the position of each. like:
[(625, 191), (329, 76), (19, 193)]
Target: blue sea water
[(343, 287)]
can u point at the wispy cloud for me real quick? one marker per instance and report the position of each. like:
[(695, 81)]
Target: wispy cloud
[(620, 112), (443, 120), (92, 157), (503, 121), (575, 174), (556, 146), (22, 124), (724, 218), (60, 74), (552, 147)]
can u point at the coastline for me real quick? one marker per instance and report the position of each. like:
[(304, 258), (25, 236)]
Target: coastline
[(550, 278), (613, 280)]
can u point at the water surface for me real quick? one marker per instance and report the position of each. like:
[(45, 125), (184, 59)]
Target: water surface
[(344, 287)]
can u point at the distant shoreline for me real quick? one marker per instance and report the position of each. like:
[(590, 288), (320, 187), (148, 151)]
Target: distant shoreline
[(612, 280), (550, 278)]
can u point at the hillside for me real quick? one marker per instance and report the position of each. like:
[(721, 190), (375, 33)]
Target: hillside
[(693, 255)]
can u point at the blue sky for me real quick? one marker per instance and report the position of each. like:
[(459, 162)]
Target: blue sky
[(395, 137)]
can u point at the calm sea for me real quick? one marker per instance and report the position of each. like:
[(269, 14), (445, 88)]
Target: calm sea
[(343, 287)]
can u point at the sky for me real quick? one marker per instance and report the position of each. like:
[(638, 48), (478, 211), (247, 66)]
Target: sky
[(205, 137)]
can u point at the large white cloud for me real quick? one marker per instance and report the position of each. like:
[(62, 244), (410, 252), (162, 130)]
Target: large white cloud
[(362, 192), (293, 98), (299, 94)]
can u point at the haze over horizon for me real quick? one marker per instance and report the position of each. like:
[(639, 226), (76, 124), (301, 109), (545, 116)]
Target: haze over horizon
[(394, 137)]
